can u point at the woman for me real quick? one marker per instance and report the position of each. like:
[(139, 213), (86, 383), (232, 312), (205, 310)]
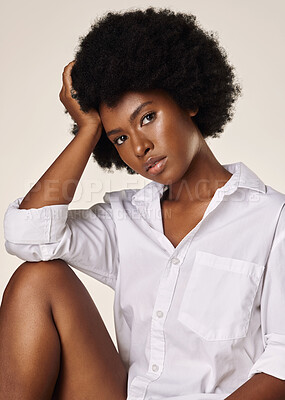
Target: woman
[(195, 257)]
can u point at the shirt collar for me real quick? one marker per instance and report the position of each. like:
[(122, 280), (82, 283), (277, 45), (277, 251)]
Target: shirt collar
[(242, 176)]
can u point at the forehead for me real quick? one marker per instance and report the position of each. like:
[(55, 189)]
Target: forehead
[(132, 99)]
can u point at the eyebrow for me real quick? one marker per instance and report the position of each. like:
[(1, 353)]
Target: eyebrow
[(132, 117)]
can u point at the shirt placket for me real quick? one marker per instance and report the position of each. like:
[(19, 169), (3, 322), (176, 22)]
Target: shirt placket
[(161, 308)]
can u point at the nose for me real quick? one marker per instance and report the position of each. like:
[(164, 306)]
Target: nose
[(141, 145)]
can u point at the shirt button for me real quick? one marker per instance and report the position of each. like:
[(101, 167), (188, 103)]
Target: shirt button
[(154, 367), (175, 260), (159, 314)]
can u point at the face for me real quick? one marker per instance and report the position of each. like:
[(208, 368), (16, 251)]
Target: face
[(151, 124)]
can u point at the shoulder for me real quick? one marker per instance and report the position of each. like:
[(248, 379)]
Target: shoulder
[(131, 196), (273, 198), (271, 209), (277, 198), (123, 195)]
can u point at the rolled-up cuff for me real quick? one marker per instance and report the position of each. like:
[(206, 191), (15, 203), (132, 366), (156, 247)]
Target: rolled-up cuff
[(272, 360), (36, 225)]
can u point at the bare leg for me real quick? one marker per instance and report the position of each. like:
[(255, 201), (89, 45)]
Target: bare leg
[(53, 341)]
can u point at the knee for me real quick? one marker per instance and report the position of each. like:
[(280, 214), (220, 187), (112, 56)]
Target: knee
[(36, 277)]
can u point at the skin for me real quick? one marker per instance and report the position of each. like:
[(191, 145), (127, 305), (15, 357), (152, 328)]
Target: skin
[(192, 171), (54, 344), (162, 128)]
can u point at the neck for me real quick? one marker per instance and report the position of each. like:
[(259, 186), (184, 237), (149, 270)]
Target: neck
[(204, 176)]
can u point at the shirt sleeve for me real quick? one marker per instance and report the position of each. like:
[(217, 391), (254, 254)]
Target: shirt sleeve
[(85, 239), (272, 360)]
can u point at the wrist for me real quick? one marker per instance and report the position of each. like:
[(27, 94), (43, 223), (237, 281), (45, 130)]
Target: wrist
[(94, 132)]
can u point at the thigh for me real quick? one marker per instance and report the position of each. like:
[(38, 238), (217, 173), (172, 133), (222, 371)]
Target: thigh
[(90, 366)]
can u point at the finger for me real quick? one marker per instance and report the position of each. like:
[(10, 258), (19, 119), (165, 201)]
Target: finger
[(66, 75), (73, 93)]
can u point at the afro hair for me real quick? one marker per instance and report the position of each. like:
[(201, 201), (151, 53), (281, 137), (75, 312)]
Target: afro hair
[(153, 49)]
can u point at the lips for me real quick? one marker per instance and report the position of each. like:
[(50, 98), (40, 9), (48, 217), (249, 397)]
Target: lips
[(158, 167), (151, 161)]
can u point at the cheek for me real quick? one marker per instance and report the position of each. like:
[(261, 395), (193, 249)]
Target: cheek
[(120, 154), (125, 155), (183, 146)]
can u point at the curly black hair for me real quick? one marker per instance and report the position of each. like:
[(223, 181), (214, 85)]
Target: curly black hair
[(155, 48)]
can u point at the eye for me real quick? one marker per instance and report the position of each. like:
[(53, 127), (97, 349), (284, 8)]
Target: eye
[(118, 138), (151, 114)]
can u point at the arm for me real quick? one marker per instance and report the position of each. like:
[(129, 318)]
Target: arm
[(86, 239), (39, 227), (260, 387), (266, 379), (65, 172)]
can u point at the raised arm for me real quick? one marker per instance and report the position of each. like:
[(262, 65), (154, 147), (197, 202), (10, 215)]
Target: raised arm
[(41, 227), (58, 184)]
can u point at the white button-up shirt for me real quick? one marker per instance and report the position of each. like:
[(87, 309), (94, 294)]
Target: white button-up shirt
[(194, 321)]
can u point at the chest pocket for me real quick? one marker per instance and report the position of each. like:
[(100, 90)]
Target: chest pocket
[(219, 296)]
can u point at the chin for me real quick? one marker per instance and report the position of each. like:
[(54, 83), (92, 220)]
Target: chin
[(174, 177)]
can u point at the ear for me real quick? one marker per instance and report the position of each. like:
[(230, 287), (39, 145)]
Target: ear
[(194, 112)]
